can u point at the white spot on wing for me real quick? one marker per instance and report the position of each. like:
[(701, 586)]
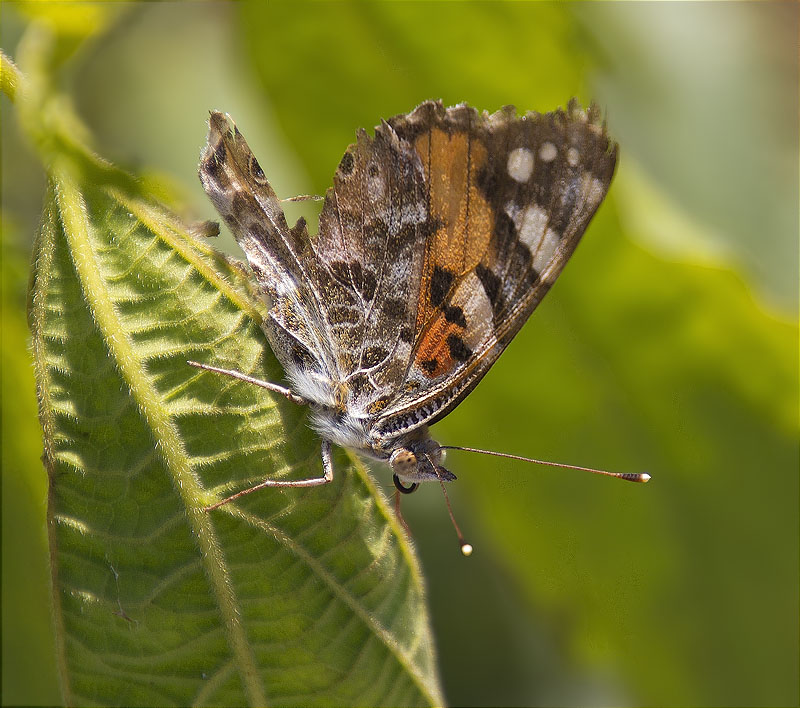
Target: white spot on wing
[(471, 298), (376, 188), (513, 212), (573, 157), (520, 164), (546, 251), (531, 224), (592, 189), (547, 152)]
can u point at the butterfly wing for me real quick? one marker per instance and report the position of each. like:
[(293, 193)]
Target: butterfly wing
[(280, 257), (508, 199), (438, 239)]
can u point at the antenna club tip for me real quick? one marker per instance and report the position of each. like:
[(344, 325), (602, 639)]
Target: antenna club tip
[(466, 549), (644, 477)]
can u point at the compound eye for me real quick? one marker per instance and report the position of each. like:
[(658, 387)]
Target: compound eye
[(403, 462)]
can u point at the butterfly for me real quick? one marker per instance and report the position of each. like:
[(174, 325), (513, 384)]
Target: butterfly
[(440, 236)]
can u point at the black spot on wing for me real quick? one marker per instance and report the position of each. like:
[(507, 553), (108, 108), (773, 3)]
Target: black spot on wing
[(302, 358), (491, 285), (505, 233), (429, 365), (455, 315), (367, 284), (394, 308), (359, 384), (441, 280), (220, 152), (213, 165), (353, 275), (340, 271), (458, 350), (339, 315), (256, 171)]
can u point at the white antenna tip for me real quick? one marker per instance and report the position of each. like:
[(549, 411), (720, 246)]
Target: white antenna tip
[(466, 549), (644, 477)]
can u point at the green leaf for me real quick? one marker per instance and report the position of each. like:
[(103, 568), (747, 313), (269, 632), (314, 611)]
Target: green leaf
[(288, 597)]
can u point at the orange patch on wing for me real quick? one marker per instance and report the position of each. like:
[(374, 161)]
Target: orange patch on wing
[(452, 163), (435, 355)]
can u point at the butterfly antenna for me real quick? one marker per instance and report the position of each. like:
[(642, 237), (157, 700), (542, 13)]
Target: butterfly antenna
[(627, 476), (466, 548)]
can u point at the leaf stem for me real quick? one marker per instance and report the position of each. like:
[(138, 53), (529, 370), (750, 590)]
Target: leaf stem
[(10, 77)]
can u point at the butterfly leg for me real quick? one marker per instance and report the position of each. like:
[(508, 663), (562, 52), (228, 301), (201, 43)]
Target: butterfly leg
[(327, 476), (275, 388)]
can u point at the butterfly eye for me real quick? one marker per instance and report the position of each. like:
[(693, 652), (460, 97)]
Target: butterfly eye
[(403, 461)]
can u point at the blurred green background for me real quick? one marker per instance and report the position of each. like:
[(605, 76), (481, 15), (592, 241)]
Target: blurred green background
[(669, 345)]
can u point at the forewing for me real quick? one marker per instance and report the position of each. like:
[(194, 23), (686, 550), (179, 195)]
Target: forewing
[(510, 198)]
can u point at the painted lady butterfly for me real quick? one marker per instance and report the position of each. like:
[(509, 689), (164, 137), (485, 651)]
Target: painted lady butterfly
[(440, 236)]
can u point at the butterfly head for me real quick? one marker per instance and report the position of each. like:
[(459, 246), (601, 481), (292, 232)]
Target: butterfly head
[(417, 459)]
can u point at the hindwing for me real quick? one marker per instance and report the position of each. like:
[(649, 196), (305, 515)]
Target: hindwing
[(282, 262)]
